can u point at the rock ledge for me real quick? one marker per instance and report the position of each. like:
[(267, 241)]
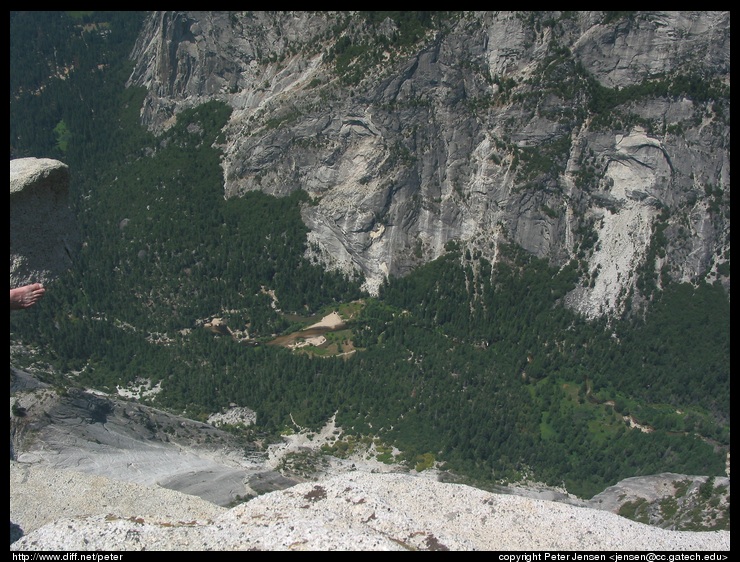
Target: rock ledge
[(351, 511)]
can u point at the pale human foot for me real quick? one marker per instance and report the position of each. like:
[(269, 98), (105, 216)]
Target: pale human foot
[(26, 296)]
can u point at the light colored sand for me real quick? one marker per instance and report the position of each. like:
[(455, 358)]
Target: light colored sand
[(332, 320)]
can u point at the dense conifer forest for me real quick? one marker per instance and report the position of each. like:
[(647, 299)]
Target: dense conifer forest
[(473, 365)]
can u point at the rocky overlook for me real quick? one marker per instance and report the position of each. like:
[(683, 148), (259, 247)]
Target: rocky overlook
[(351, 512)]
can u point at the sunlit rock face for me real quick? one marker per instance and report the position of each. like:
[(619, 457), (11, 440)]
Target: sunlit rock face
[(355, 511), (486, 130)]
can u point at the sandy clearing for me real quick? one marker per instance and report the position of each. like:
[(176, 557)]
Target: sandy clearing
[(330, 321)]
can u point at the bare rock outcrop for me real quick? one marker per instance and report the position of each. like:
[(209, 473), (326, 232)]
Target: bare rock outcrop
[(40, 495), (43, 230), (351, 511)]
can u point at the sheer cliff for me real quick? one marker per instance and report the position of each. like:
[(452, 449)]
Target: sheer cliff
[(601, 137)]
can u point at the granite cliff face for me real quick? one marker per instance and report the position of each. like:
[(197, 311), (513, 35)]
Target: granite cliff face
[(574, 134)]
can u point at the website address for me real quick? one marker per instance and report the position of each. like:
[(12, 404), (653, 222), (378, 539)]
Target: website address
[(67, 557)]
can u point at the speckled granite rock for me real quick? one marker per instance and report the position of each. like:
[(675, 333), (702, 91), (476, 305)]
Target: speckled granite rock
[(40, 495), (352, 511)]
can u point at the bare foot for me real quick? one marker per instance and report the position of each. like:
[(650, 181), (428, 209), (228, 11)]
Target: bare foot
[(26, 296)]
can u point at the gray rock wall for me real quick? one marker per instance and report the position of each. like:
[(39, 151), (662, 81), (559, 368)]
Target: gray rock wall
[(481, 133), (43, 229)]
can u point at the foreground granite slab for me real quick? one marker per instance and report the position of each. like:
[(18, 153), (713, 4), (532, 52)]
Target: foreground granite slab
[(359, 511)]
